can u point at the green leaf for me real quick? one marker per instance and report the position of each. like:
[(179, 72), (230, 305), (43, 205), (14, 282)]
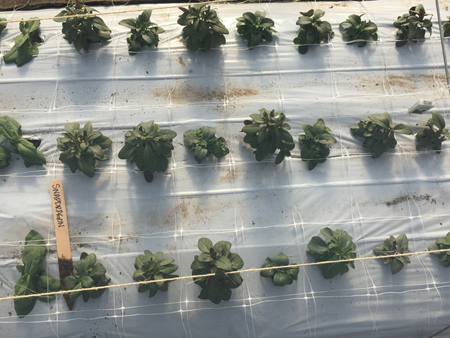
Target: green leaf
[(223, 263), (129, 23), (236, 261), (5, 156), (10, 129), (280, 279), (380, 120), (24, 286), (86, 163), (396, 266), (205, 257), (438, 120), (403, 129), (282, 259), (33, 253), (70, 282), (29, 153), (205, 245)]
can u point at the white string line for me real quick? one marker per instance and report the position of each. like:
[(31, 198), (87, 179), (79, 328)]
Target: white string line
[(140, 9), (226, 273)]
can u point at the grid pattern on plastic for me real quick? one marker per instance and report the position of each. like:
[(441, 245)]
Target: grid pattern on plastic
[(260, 208)]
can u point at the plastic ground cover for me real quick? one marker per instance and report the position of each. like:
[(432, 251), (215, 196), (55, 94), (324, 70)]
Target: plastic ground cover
[(260, 208)]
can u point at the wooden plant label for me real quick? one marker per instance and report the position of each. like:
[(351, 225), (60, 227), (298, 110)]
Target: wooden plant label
[(62, 234)]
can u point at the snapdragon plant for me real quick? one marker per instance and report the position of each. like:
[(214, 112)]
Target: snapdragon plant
[(434, 134), (33, 279), (149, 147), (312, 30), (355, 30), (255, 28), (338, 246), (82, 30), (81, 148), (412, 26), (26, 43), (268, 132), (203, 142), (217, 259), (203, 28), (394, 246), (11, 132), (378, 133), (144, 33)]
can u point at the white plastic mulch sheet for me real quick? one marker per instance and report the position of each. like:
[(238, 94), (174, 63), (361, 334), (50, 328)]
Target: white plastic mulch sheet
[(260, 208)]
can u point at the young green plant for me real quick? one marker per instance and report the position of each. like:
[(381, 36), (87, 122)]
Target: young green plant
[(26, 43), (2, 24), (150, 267), (412, 26), (149, 147), (217, 259), (203, 142), (33, 279), (255, 28), (355, 30), (314, 143), (144, 33), (82, 147), (280, 276), (87, 273), (394, 246), (339, 246), (446, 27), (11, 131), (434, 134), (267, 132), (203, 28), (442, 243), (82, 30), (312, 30), (378, 133)]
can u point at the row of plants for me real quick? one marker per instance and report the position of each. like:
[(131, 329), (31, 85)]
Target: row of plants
[(216, 259), (149, 147), (204, 30)]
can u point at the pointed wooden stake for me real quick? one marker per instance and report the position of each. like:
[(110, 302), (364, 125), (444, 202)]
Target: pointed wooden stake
[(62, 234)]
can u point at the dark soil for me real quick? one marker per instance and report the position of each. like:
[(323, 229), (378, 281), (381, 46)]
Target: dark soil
[(65, 269), (35, 4)]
